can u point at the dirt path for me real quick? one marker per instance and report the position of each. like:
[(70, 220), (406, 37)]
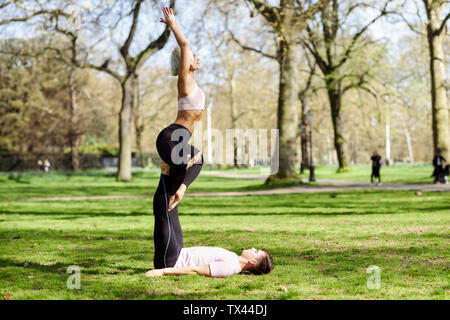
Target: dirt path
[(336, 185), (327, 186)]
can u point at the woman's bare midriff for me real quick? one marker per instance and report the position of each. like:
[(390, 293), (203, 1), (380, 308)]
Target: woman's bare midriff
[(187, 118)]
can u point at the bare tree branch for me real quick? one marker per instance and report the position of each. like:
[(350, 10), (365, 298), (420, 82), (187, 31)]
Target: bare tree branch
[(103, 68), (56, 12), (360, 33), (269, 12), (4, 5), (153, 46), (315, 50), (410, 26), (126, 46), (444, 22), (244, 47), (302, 16), (311, 73)]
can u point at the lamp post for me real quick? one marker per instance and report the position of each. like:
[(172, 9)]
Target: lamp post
[(310, 118), (388, 132), (301, 129), (208, 131)]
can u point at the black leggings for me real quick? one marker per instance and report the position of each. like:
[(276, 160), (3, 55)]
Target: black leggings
[(376, 174), (167, 235)]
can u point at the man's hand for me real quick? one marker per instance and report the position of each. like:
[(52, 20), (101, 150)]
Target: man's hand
[(155, 273)]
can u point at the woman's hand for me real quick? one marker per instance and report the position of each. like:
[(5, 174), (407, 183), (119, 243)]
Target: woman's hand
[(170, 18), (172, 23), (175, 199)]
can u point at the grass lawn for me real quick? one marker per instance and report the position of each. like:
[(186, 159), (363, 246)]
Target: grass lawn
[(398, 173), (102, 182), (33, 184), (322, 246)]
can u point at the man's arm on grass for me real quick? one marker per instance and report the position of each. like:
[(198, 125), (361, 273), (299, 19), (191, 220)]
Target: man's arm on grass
[(201, 270)]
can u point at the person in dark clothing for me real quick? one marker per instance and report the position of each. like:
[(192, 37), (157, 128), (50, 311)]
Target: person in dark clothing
[(441, 170), (376, 165)]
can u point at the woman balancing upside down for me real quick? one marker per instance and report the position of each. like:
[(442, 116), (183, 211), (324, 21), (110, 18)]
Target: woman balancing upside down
[(181, 164)]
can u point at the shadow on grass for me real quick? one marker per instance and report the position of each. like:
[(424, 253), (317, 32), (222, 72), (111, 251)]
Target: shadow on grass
[(280, 205), (88, 266), (227, 212), (20, 193), (86, 237)]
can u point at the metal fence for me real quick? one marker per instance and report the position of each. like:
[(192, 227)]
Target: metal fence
[(62, 162)]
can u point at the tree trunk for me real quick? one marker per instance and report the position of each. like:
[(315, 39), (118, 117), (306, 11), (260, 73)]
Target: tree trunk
[(304, 133), (440, 110), (125, 122), (139, 126), (139, 132), (233, 118), (287, 116), (388, 139), (74, 136), (355, 150), (74, 144), (334, 96)]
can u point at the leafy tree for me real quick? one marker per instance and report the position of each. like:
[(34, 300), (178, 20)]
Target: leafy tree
[(327, 42), (439, 104), (287, 20)]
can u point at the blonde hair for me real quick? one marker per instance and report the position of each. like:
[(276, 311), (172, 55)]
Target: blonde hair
[(175, 61)]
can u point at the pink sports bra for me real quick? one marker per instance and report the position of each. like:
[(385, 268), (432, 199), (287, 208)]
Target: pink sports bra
[(193, 101)]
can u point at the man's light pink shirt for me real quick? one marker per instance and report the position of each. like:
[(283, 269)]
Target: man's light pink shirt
[(222, 262)]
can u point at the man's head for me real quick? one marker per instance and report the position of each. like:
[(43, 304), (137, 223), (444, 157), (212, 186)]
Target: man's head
[(258, 261)]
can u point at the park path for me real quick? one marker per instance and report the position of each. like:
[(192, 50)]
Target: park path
[(327, 186), (331, 185)]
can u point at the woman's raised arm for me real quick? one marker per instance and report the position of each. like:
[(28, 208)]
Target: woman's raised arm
[(185, 58)]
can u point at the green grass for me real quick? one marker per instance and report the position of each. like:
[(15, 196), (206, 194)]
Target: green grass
[(321, 245), (16, 186), (397, 173), (102, 182), (400, 173)]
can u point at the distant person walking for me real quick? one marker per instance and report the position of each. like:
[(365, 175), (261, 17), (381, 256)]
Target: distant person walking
[(40, 165), (47, 165), (441, 170), (376, 165)]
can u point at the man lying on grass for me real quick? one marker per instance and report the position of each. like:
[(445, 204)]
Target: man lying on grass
[(217, 262)]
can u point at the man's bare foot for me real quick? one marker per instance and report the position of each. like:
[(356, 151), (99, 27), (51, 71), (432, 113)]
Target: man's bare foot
[(175, 199)]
